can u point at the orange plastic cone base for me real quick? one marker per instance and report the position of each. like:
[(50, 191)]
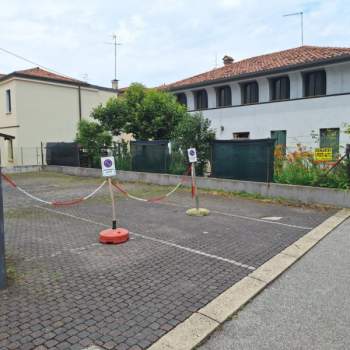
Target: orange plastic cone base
[(114, 236)]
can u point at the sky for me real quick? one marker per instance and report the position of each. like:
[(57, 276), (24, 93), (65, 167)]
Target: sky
[(161, 40)]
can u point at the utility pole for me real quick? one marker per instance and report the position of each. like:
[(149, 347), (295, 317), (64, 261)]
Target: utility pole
[(301, 14)]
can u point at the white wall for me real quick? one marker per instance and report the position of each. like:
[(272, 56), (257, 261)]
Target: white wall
[(8, 121), (46, 112), (300, 117)]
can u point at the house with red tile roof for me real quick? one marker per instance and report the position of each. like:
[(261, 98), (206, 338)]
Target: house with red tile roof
[(298, 96), (40, 106)]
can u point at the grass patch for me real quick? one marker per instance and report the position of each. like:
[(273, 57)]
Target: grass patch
[(24, 213), (12, 274), (145, 190), (61, 178), (259, 198)]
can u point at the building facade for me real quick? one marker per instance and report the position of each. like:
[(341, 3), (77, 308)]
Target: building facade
[(37, 106), (299, 96)]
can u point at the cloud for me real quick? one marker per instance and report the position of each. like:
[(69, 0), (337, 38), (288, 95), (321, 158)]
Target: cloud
[(131, 28), (163, 40), (229, 3)]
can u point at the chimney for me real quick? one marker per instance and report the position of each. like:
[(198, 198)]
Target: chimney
[(227, 60), (115, 84)]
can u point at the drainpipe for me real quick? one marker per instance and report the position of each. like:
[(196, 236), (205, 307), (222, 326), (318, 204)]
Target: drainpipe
[(79, 99)]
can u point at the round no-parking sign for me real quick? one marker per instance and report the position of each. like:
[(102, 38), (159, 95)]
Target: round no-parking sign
[(192, 155), (108, 166)]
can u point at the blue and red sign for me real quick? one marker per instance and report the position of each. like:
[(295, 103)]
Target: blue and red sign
[(108, 166)]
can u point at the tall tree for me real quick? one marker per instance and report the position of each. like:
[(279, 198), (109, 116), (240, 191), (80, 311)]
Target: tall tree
[(148, 114)]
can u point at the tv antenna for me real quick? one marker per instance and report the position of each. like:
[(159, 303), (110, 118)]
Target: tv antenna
[(115, 44), (301, 14)]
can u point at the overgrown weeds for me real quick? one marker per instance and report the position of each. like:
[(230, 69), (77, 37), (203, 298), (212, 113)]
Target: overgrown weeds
[(300, 168)]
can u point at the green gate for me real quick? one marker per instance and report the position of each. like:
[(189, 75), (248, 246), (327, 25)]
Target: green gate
[(150, 156), (250, 160)]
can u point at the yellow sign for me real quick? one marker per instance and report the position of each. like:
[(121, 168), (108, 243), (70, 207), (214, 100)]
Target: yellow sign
[(324, 154)]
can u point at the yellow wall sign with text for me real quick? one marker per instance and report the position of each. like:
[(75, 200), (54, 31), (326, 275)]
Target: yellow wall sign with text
[(323, 154)]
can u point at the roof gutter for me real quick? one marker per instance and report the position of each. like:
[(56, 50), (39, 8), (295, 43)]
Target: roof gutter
[(260, 73), (52, 80)]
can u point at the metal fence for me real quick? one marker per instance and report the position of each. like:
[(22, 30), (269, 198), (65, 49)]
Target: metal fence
[(62, 153), (150, 156), (251, 160), (27, 156)]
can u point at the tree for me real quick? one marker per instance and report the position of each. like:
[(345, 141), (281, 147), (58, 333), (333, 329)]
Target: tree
[(93, 137), (194, 131), (148, 114), (113, 115)]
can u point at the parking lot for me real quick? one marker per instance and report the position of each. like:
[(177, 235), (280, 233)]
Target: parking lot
[(67, 291)]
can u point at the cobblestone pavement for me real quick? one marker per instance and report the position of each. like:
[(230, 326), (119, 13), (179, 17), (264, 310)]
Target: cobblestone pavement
[(69, 292)]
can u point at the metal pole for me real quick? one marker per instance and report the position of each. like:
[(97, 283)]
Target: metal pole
[(114, 218), (302, 27), (42, 153), (115, 56), (22, 155), (193, 174), (2, 242)]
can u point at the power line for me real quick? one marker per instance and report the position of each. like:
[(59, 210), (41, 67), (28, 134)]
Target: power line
[(32, 62)]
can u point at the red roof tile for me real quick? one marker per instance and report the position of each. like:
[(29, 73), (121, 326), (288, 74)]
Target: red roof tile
[(264, 63), (41, 73)]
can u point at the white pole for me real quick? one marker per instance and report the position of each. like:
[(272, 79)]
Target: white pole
[(194, 184), (114, 218)]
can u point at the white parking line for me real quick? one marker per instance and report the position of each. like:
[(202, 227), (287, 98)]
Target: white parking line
[(247, 218), (171, 244)]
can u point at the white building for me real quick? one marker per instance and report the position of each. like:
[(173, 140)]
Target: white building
[(299, 96), (38, 106)]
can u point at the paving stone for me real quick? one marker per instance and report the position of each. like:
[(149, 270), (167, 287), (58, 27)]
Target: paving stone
[(75, 291)]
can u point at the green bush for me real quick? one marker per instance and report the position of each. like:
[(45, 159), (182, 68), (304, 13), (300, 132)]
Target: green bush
[(194, 130), (92, 137), (178, 163), (122, 156)]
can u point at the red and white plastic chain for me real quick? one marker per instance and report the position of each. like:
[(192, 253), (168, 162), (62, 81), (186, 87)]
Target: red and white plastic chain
[(154, 199), (56, 203)]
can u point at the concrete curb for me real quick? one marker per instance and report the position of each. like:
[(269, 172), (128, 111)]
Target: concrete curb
[(299, 194), (193, 331)]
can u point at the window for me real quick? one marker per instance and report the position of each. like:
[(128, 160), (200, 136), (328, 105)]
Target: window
[(329, 138), (223, 96), (241, 135), (8, 101), (280, 89), (281, 139), (201, 99), (315, 83), (250, 93), (9, 150), (181, 98)]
